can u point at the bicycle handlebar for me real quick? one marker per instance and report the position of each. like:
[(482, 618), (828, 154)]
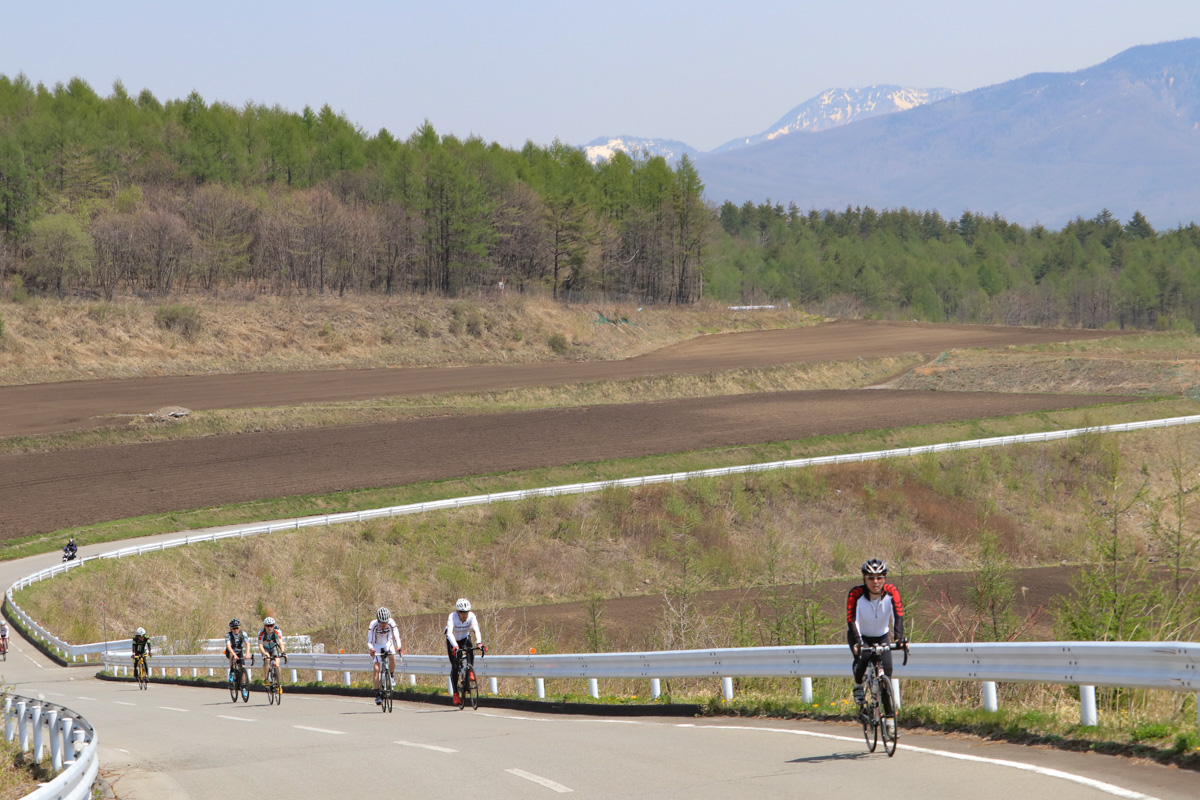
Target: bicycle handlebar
[(877, 649)]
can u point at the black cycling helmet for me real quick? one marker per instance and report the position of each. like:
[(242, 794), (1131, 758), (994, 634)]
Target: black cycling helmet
[(874, 566), (234, 623)]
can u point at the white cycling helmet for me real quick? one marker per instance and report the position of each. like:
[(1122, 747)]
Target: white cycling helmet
[(269, 621), (140, 631), (463, 604), (874, 566), (383, 615)]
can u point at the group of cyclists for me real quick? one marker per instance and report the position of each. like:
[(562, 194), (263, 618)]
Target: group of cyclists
[(383, 641), (874, 615)]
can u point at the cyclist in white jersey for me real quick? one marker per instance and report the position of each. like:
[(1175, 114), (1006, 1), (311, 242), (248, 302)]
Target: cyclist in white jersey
[(383, 638), (459, 627)]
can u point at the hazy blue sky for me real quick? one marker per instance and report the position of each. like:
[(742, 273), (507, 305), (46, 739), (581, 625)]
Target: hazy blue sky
[(699, 71)]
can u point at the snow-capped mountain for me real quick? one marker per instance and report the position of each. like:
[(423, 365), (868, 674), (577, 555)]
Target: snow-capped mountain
[(836, 107), (830, 109), (1123, 135), (603, 148)]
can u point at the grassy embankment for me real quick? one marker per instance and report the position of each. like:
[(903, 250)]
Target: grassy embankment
[(675, 544), (644, 570)]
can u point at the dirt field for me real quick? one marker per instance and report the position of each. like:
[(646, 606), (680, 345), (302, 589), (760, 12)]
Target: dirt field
[(51, 407)]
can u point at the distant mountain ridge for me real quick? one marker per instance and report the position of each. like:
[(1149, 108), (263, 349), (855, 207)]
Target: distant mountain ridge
[(835, 107), (1122, 135), (830, 109)]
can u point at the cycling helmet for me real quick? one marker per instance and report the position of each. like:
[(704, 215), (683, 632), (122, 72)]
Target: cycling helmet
[(235, 623), (463, 604), (383, 615), (874, 567), (268, 621), (140, 631)]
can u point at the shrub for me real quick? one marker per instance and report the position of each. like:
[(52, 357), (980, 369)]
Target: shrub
[(422, 328), (1, 327), (558, 343), (183, 320)]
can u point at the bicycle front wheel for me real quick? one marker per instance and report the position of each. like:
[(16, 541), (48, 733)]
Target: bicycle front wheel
[(890, 732), (235, 687), (473, 688), (139, 672)]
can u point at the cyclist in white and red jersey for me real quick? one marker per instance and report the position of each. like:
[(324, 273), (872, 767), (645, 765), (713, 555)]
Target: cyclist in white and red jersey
[(383, 638), (874, 613), (459, 627)]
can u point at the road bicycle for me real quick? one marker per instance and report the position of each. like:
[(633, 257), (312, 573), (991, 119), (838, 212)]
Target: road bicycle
[(387, 682), (878, 692), (240, 685), (274, 687), (4, 649), (468, 688), (141, 672)]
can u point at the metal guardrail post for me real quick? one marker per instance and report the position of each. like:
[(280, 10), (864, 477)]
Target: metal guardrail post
[(806, 690), (39, 741), (55, 739), (896, 692), (989, 696), (594, 688), (1087, 706), (22, 725), (727, 689), (541, 688), (493, 684), (68, 737)]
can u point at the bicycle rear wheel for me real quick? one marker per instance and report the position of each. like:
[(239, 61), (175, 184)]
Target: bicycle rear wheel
[(139, 672), (272, 679), (386, 685), (235, 685)]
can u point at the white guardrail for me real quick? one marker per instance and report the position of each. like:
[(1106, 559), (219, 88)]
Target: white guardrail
[(1173, 666), (1124, 664), (72, 741)]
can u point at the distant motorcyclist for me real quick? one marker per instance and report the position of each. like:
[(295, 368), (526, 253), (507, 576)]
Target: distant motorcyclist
[(70, 550)]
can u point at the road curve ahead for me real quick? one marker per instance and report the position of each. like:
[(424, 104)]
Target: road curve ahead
[(176, 742)]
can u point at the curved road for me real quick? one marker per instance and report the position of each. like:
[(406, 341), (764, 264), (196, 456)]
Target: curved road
[(176, 742)]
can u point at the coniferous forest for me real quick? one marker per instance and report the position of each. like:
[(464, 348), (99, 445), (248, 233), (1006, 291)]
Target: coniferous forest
[(120, 194)]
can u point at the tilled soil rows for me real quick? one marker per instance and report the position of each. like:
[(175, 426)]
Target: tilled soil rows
[(43, 492)]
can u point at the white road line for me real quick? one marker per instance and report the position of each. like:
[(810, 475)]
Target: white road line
[(319, 730), (428, 747), (1107, 788), (549, 784), (172, 708), (236, 719), (94, 700), (120, 703)]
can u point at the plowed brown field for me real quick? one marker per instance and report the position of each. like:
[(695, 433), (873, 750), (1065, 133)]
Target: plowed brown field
[(48, 491)]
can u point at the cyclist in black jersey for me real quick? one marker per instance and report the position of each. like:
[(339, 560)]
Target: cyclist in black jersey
[(235, 645)]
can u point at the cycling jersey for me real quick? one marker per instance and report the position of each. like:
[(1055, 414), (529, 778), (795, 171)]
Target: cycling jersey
[(272, 639), (236, 642), (383, 637), (871, 618), (457, 629), (141, 645)]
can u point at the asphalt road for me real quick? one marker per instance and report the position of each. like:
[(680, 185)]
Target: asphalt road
[(176, 742)]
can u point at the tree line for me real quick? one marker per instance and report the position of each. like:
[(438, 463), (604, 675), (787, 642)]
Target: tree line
[(124, 194), (129, 194), (916, 264)]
